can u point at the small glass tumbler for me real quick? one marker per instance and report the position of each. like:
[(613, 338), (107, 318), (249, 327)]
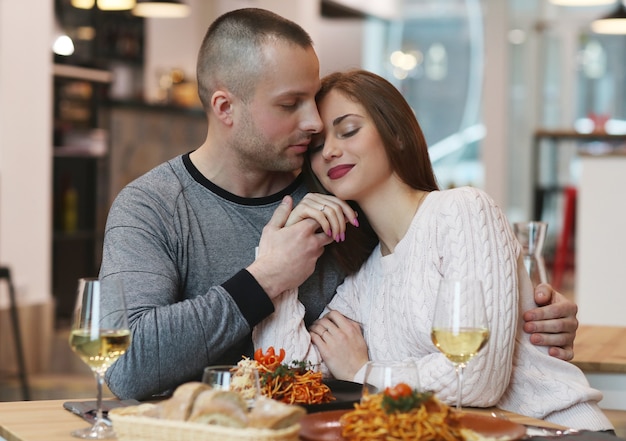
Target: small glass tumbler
[(241, 379), (380, 375)]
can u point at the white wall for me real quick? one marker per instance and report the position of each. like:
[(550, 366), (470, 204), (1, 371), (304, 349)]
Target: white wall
[(495, 92), (26, 146), (340, 44), (601, 241)]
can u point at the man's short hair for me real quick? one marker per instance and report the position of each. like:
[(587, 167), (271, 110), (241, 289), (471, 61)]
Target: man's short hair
[(231, 53)]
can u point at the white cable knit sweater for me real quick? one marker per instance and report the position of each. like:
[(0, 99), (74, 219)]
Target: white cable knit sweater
[(455, 233)]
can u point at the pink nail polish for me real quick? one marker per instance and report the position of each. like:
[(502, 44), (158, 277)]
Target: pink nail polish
[(355, 222)]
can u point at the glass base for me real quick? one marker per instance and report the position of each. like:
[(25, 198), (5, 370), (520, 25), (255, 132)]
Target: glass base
[(97, 431)]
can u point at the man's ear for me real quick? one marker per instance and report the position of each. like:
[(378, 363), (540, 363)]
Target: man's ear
[(222, 105)]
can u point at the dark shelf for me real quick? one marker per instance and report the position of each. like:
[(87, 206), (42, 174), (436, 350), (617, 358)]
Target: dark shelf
[(76, 236), (82, 83)]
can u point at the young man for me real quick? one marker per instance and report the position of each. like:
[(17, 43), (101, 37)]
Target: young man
[(183, 237)]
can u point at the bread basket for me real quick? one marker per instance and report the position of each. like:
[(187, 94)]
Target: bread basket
[(132, 427)]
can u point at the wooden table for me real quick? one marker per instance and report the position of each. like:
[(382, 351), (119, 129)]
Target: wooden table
[(600, 349), (600, 352), (38, 420), (49, 421)]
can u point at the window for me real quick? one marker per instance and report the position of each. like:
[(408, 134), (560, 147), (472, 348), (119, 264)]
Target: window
[(435, 58)]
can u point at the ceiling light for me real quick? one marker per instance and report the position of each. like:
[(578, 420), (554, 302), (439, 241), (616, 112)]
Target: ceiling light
[(582, 2), (62, 44), (115, 5), (614, 23), (83, 4), (161, 9)]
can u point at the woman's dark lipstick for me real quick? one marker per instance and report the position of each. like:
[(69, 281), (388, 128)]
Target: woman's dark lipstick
[(339, 171)]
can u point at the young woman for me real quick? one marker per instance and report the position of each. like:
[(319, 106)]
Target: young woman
[(372, 152)]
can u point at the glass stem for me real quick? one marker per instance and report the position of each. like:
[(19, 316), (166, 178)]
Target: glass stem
[(99, 382), (459, 376)]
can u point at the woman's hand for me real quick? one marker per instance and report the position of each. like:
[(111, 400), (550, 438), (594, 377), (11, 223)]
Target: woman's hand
[(341, 344), (331, 214)]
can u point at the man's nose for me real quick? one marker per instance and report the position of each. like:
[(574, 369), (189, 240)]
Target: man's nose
[(313, 122)]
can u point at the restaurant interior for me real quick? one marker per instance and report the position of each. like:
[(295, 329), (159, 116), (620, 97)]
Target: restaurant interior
[(523, 98)]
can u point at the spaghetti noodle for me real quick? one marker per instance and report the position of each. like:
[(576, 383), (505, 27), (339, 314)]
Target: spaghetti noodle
[(293, 385)]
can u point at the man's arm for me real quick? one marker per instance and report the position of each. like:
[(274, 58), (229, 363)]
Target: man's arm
[(188, 304), (553, 323)]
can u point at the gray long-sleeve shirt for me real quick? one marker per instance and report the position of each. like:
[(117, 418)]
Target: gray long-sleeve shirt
[(180, 243)]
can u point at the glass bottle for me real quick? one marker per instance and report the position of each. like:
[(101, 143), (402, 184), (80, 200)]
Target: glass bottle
[(531, 235)]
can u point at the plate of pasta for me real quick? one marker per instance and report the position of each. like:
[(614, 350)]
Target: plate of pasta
[(406, 415), (297, 382)]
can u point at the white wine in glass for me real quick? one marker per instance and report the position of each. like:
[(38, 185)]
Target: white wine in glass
[(460, 328), (99, 335)]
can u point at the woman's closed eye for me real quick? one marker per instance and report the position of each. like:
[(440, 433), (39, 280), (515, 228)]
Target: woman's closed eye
[(349, 133)]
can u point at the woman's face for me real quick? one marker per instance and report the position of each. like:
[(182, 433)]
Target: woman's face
[(349, 157)]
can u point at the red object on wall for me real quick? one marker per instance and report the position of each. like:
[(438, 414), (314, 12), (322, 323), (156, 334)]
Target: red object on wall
[(564, 255)]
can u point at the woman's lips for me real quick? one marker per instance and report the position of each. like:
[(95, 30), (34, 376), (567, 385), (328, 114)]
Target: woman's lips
[(339, 171)]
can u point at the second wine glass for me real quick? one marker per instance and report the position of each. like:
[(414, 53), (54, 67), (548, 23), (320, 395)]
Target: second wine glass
[(460, 327), (100, 335)]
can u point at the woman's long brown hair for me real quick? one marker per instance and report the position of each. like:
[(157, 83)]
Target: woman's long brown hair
[(404, 145)]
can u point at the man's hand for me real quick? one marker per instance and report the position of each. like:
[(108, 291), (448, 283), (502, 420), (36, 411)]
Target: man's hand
[(553, 323), (287, 254)]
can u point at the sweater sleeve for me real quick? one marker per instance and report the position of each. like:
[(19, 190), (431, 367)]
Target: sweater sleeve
[(475, 241), (286, 329)]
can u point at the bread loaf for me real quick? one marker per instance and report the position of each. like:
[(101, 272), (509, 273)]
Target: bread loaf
[(271, 414), (220, 407), (179, 406), (197, 402)]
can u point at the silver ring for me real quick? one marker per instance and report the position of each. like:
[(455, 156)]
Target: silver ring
[(322, 209)]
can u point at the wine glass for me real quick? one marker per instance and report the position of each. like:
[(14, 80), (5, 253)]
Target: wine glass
[(459, 327), (99, 335), (380, 375)]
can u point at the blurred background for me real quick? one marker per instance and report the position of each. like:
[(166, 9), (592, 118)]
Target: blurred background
[(513, 97)]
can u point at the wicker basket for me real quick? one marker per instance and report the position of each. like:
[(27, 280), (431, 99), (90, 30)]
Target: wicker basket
[(133, 427), (130, 427)]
